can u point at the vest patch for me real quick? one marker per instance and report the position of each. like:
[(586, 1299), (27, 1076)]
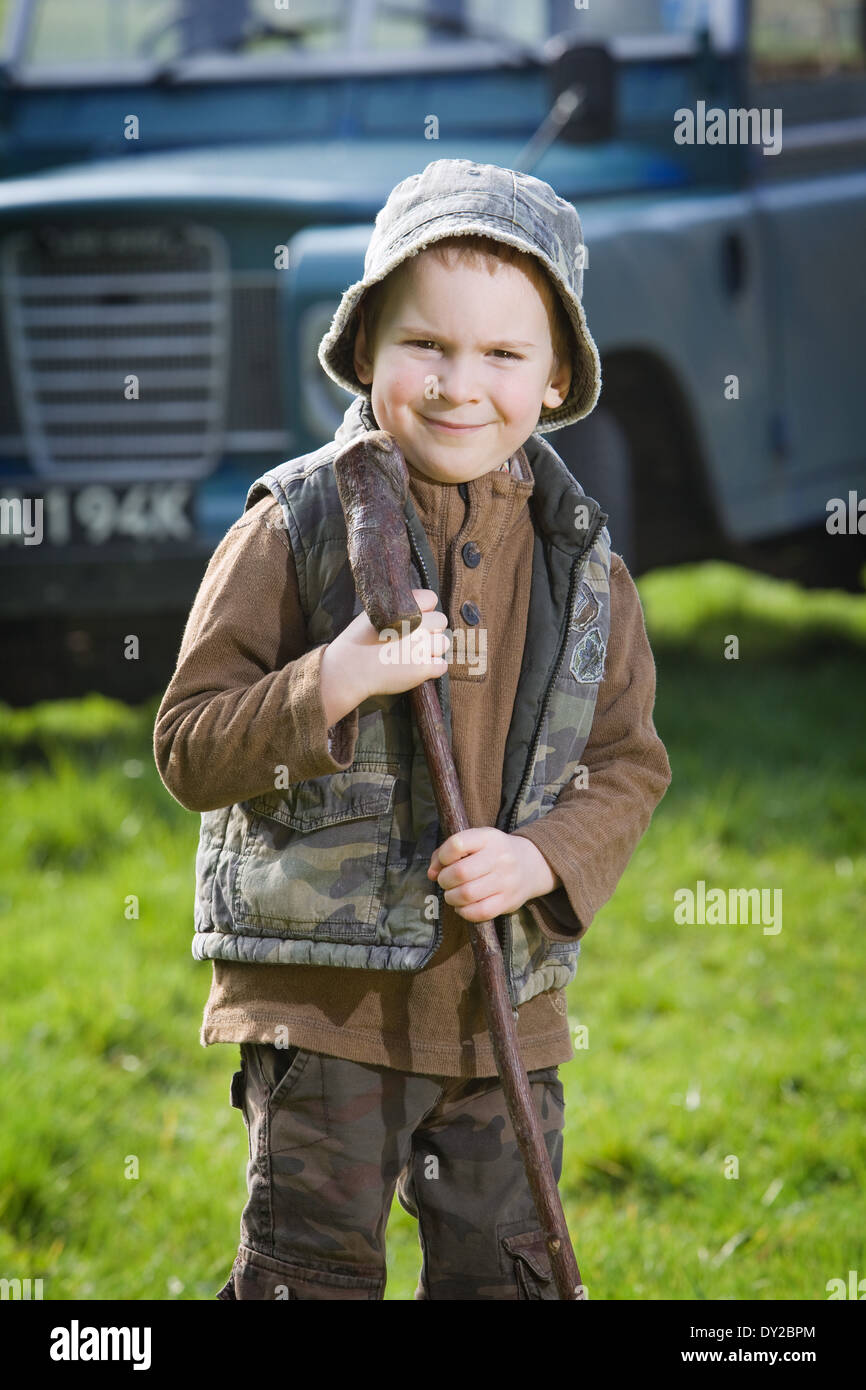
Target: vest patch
[(587, 659)]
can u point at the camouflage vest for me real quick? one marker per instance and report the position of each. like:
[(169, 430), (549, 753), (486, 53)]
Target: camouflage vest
[(333, 870)]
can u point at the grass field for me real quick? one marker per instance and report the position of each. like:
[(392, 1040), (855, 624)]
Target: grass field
[(705, 1042)]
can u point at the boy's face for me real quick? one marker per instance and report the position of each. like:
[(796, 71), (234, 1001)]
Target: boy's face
[(480, 340)]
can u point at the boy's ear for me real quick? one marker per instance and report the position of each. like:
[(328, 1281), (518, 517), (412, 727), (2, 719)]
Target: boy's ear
[(361, 357), (558, 387)]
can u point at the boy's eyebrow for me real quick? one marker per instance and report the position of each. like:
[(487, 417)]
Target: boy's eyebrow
[(429, 333)]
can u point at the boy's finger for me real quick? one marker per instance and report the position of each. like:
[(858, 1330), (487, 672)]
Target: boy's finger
[(463, 843), (425, 598)]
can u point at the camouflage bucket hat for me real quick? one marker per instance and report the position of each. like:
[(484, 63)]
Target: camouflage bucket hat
[(457, 197)]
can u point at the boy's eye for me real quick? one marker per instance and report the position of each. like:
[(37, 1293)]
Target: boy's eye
[(429, 342)]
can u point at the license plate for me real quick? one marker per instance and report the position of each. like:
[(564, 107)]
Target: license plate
[(96, 514)]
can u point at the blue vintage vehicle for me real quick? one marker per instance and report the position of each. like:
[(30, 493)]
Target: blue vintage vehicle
[(187, 186)]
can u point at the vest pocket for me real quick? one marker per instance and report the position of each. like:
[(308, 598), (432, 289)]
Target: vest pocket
[(313, 858)]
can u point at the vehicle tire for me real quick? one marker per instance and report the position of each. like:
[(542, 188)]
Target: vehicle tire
[(597, 453)]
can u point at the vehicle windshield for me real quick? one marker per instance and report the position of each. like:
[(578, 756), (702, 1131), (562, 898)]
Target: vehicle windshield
[(57, 33)]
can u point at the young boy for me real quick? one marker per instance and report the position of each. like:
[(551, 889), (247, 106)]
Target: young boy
[(334, 914)]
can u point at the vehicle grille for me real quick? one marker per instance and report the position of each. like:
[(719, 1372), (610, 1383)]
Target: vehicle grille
[(10, 422), (255, 418), (87, 307)]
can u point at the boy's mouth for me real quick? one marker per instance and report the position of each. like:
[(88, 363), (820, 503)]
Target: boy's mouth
[(452, 429)]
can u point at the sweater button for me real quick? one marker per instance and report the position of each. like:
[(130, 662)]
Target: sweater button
[(470, 614), (471, 555)]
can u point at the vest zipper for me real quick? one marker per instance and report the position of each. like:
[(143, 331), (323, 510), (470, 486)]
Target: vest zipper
[(577, 565), (440, 892)]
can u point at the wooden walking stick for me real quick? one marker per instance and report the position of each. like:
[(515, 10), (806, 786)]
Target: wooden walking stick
[(373, 484)]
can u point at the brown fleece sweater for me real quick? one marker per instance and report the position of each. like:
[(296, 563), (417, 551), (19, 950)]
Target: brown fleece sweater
[(245, 696)]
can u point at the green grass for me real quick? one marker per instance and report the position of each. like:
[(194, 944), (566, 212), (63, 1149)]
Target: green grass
[(707, 1044)]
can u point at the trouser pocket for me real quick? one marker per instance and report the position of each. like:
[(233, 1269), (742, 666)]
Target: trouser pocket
[(274, 1065), (227, 1292), (531, 1265), (237, 1088)]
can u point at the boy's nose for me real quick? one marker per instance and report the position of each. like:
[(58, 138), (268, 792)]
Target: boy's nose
[(458, 380)]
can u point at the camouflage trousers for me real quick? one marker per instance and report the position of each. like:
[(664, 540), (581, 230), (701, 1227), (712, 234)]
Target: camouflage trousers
[(329, 1142)]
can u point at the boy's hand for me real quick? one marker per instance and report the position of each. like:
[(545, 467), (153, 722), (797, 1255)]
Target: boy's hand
[(487, 873), (357, 659)]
